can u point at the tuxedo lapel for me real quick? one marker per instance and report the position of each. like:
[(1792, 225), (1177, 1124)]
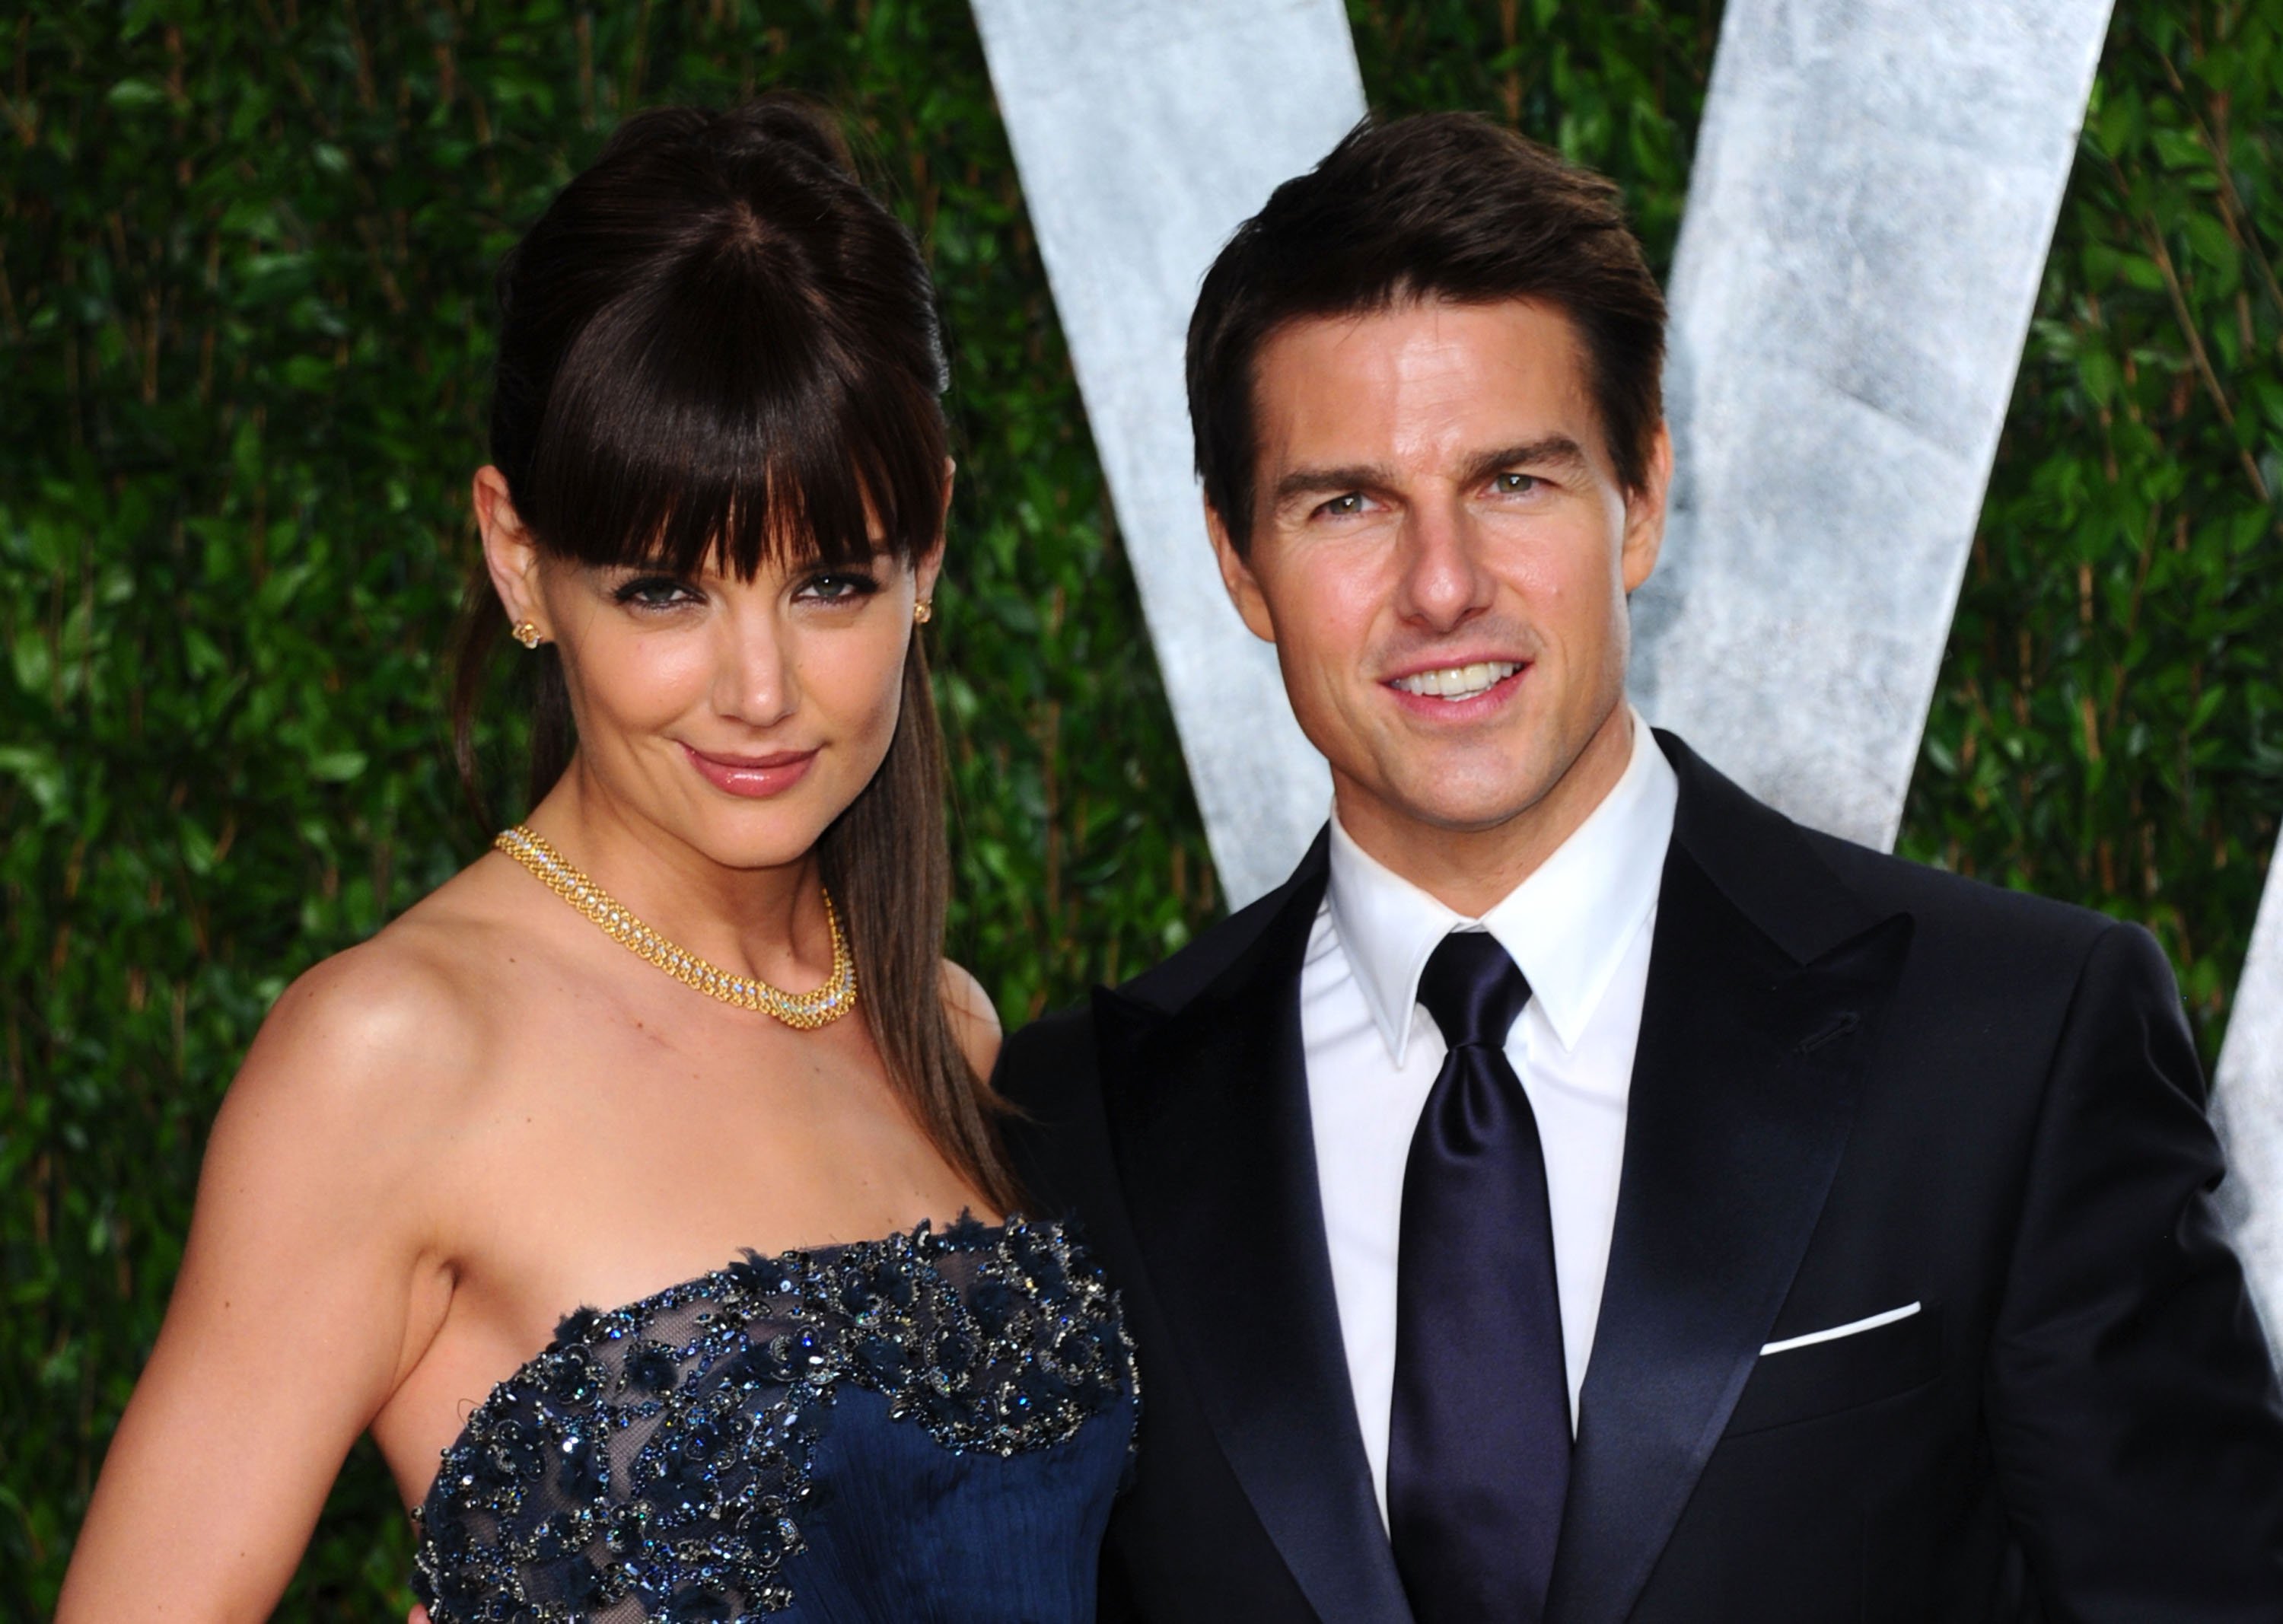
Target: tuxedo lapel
[(1767, 979), (1208, 1115)]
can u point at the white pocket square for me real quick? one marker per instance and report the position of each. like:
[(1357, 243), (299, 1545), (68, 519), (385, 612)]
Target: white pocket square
[(1851, 1328)]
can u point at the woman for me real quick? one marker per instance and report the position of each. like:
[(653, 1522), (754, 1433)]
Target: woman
[(713, 516)]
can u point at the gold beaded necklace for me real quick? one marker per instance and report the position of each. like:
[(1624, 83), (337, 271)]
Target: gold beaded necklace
[(802, 1012)]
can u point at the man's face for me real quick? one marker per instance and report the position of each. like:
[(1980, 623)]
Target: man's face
[(1441, 552)]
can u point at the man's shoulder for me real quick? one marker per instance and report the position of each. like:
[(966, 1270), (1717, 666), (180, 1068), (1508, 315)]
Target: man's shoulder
[(1058, 1042), (1779, 868), (1943, 900), (1174, 981), (1996, 955)]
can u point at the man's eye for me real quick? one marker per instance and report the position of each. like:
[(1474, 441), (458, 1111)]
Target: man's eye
[(655, 592), (840, 586), (1345, 506), (1515, 484)]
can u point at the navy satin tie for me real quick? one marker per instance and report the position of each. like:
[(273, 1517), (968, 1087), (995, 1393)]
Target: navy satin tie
[(1479, 1451)]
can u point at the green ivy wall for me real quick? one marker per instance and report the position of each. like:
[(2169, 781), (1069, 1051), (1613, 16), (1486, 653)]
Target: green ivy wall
[(245, 251)]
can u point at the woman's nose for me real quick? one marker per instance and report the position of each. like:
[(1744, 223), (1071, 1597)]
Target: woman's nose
[(753, 676)]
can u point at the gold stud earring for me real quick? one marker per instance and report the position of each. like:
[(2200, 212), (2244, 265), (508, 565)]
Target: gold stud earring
[(526, 634), (922, 611)]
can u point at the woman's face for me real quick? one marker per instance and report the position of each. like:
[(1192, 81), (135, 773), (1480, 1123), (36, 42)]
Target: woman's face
[(741, 716)]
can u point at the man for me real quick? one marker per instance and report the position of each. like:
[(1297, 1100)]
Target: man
[(1580, 1193)]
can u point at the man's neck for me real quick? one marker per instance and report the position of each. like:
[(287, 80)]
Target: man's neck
[(1471, 870)]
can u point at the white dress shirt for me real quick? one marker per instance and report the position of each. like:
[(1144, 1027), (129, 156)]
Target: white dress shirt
[(1579, 929)]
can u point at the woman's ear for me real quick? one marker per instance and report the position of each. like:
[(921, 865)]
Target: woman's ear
[(929, 566), (510, 554)]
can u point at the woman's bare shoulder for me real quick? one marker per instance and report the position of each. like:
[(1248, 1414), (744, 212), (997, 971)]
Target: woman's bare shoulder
[(974, 1019), (397, 1025)]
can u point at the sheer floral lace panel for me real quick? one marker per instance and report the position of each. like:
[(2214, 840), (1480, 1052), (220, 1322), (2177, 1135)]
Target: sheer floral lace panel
[(654, 1461)]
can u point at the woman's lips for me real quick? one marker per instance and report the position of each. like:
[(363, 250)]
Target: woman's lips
[(755, 776)]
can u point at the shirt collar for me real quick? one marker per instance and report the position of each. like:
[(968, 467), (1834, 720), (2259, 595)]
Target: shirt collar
[(1567, 926)]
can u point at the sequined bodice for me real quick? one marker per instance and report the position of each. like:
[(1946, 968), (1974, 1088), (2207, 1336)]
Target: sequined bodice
[(928, 1427)]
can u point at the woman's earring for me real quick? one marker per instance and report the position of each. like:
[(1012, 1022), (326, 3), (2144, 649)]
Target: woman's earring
[(922, 611), (526, 634)]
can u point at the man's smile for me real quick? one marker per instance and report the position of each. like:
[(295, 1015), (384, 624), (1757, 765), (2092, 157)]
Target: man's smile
[(1461, 682)]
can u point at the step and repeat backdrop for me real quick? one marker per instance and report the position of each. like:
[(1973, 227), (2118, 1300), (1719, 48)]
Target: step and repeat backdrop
[(1977, 386)]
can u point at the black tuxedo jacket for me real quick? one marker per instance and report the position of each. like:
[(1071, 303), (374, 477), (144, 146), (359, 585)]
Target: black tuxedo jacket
[(1861, 1084)]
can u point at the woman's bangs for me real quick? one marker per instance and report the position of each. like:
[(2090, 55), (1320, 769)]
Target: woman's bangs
[(684, 431)]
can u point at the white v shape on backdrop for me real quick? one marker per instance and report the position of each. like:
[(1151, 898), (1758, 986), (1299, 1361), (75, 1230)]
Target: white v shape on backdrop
[(1874, 196)]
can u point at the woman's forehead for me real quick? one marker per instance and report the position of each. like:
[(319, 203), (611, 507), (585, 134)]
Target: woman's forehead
[(718, 564)]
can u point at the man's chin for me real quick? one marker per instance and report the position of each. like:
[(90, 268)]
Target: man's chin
[(1443, 792), (1469, 819), (1444, 808)]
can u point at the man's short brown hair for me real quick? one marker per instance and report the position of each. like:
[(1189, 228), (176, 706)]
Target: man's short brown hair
[(1440, 206)]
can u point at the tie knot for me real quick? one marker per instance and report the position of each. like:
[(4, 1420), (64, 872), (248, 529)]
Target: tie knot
[(1473, 989)]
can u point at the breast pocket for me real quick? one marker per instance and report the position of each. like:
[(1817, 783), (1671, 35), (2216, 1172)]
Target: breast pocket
[(1798, 1379)]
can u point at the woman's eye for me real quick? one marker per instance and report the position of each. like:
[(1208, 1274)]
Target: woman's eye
[(655, 592), (1515, 484), (840, 586)]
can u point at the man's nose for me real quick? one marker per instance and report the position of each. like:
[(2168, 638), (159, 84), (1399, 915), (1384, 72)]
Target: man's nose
[(1443, 583)]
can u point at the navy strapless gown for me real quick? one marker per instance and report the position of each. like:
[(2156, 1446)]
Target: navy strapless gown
[(928, 1427)]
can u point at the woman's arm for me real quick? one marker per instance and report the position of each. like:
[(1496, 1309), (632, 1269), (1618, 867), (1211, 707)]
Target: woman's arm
[(312, 1282)]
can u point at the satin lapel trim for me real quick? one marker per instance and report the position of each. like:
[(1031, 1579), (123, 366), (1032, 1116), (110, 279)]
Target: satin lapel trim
[(1743, 1093), (1208, 1115)]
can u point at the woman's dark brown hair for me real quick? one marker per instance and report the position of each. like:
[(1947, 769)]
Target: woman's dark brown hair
[(1437, 205), (716, 343)]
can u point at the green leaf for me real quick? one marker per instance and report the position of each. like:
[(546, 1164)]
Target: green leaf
[(2117, 126), (2140, 271), (313, 374), (2213, 245), (130, 94), (2180, 149), (2207, 703), (39, 770), (338, 766), (32, 659)]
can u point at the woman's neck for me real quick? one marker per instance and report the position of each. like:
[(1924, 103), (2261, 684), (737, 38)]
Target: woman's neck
[(766, 922)]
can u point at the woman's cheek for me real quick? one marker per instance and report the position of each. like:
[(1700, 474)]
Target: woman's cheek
[(657, 675), (856, 677)]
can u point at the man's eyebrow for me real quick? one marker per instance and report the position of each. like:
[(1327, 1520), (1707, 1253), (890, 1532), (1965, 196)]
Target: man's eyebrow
[(1313, 481), (1550, 450), (1553, 450)]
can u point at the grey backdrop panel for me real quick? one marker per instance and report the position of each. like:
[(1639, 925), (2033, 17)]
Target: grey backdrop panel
[(1874, 192), (1146, 130), (2249, 1104)]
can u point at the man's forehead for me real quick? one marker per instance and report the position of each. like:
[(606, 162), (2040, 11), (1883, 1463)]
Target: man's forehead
[(1420, 326), (1426, 374)]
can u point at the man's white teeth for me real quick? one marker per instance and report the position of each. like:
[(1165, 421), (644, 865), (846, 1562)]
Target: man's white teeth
[(1459, 682)]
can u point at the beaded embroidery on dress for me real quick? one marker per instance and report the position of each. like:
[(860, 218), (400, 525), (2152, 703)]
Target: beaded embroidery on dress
[(931, 1425)]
